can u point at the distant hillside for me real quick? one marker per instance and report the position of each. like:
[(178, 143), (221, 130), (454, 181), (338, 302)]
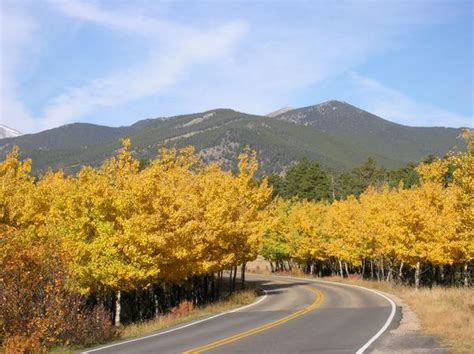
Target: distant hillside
[(368, 131), (7, 132), (336, 134)]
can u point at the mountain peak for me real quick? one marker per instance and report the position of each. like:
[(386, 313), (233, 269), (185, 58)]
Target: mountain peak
[(279, 111), (7, 132)]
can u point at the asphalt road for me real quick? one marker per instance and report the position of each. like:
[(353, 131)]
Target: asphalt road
[(295, 316)]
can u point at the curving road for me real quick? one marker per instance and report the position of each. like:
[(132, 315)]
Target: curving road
[(295, 316)]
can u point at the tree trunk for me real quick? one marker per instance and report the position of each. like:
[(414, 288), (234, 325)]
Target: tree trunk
[(466, 274), (243, 276), (346, 268), (371, 269), (400, 271), (219, 284), (117, 308), (441, 274), (231, 279), (156, 301), (417, 275), (234, 278), (382, 268), (340, 269), (363, 268), (390, 272)]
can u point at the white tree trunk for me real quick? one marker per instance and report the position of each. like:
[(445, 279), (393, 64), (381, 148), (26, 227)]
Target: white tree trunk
[(417, 275), (400, 271), (117, 309), (466, 274)]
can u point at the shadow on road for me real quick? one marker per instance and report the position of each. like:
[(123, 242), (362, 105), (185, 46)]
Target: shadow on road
[(271, 287)]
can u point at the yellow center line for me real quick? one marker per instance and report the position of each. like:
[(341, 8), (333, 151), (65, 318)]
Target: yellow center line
[(317, 302)]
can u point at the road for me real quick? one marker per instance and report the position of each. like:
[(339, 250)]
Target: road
[(295, 316)]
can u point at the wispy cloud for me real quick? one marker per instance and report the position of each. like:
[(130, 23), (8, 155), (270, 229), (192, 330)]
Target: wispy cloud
[(391, 104), (16, 38), (175, 49)]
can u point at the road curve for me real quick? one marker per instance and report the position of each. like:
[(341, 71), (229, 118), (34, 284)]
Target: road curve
[(296, 316)]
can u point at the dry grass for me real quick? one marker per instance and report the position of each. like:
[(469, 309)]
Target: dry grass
[(444, 312), (186, 314)]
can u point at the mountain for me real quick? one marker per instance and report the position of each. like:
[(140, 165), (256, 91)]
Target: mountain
[(368, 131), (7, 132), (336, 134)]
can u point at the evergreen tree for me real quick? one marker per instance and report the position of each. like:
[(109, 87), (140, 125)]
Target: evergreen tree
[(307, 180)]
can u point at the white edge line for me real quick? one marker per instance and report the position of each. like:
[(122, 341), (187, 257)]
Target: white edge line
[(179, 328), (386, 324)]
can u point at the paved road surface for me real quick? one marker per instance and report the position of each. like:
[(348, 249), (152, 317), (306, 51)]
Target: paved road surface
[(296, 316)]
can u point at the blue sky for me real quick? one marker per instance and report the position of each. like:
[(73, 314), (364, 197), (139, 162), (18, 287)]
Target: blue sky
[(116, 62)]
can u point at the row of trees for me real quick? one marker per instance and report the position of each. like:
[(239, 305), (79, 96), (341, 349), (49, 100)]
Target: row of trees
[(120, 236), (425, 231)]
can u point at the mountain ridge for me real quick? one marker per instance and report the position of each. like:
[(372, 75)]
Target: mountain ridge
[(336, 134)]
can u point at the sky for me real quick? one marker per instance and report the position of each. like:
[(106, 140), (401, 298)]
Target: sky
[(116, 62)]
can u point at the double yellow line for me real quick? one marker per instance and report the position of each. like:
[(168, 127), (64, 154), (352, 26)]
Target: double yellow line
[(317, 302)]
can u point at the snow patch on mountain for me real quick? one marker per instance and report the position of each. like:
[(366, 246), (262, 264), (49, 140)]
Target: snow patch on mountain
[(279, 111), (7, 132)]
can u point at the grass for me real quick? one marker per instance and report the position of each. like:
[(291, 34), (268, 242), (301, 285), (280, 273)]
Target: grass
[(444, 312)]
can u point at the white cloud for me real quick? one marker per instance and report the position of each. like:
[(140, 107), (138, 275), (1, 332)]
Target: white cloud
[(175, 49), (16, 36), (393, 105)]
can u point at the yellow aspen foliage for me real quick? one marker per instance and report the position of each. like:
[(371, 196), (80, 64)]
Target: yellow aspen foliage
[(462, 190), (306, 236), (343, 224), (275, 246), (16, 187)]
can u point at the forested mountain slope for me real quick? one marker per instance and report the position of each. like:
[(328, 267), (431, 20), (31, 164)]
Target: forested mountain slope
[(336, 134)]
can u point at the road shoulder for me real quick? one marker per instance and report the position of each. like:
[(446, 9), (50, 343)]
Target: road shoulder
[(404, 335)]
